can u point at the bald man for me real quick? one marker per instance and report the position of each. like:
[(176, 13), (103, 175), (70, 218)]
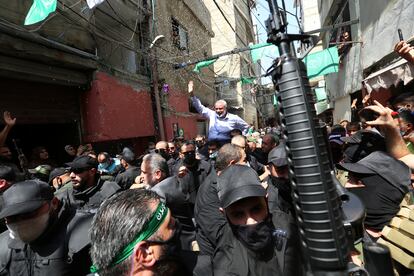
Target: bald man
[(221, 122)]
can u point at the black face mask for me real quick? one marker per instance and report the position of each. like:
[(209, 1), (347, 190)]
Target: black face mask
[(284, 187), (189, 158), (199, 144), (257, 237)]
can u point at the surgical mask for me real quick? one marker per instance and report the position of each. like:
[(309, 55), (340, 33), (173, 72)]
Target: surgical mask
[(213, 155), (257, 237), (30, 229)]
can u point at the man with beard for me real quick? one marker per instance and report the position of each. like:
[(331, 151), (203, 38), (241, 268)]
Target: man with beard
[(162, 148), (45, 236), (88, 191), (278, 184), (127, 178), (254, 240), (221, 122), (252, 162), (199, 168), (148, 244)]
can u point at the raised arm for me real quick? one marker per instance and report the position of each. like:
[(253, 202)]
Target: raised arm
[(206, 112), (10, 122), (395, 143), (242, 125), (405, 50)]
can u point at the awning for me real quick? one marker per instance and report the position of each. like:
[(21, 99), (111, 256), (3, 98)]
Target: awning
[(398, 71)]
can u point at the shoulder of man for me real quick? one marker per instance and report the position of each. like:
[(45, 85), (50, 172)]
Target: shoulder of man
[(205, 165), (109, 188), (78, 231), (5, 252)]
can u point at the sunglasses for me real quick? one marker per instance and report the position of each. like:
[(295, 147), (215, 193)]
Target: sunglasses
[(79, 170)]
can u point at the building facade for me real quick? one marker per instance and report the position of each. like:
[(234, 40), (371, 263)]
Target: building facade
[(369, 65), (233, 28)]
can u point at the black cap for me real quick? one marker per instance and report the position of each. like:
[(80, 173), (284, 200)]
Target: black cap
[(25, 197), (367, 136), (128, 155), (277, 156), (237, 182), (378, 162), (57, 172), (83, 162)]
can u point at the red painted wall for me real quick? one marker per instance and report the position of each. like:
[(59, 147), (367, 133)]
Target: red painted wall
[(188, 124), (112, 110)]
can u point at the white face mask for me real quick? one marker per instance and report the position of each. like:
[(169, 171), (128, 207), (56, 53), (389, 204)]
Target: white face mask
[(30, 229)]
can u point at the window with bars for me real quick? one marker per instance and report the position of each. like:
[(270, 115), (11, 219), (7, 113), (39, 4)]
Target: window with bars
[(179, 35)]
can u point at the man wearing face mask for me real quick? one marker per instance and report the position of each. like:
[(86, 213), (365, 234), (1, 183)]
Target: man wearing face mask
[(162, 149), (279, 186), (199, 168), (89, 190), (45, 236), (254, 241), (127, 178), (149, 244), (221, 122)]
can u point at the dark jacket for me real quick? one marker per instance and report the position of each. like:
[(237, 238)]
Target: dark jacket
[(127, 178), (210, 221), (232, 258), (179, 195), (200, 171), (63, 249), (254, 164), (91, 198)]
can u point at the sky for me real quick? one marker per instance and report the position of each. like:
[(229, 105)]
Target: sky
[(260, 15)]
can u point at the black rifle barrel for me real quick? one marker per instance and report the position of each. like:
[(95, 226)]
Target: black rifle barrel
[(318, 209)]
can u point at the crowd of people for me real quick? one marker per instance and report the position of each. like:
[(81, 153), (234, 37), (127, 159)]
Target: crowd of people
[(220, 205)]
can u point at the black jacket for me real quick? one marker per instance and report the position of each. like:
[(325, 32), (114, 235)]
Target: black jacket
[(63, 249), (91, 198), (200, 171), (179, 195), (127, 178), (232, 258)]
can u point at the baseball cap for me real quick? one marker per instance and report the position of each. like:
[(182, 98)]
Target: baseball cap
[(392, 170), (83, 162), (41, 169), (25, 197), (57, 172), (277, 156), (237, 182), (128, 155)]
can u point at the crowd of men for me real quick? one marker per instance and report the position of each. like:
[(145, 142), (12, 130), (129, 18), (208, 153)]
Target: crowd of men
[(220, 205)]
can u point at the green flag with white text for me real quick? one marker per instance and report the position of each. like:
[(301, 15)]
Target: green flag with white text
[(39, 11), (322, 63), (203, 64)]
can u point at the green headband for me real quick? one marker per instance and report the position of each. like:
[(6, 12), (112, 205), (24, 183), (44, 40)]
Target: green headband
[(147, 231)]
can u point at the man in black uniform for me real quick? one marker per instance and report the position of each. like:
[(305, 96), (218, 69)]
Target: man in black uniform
[(127, 178), (254, 240), (45, 236), (199, 168), (88, 190)]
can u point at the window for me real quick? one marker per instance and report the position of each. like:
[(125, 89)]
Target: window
[(179, 35)]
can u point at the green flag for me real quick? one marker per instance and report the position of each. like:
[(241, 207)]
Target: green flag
[(322, 63), (258, 51), (247, 80), (40, 10), (203, 64), (320, 94)]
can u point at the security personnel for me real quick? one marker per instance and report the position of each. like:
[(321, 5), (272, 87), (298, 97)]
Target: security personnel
[(88, 191), (45, 236)]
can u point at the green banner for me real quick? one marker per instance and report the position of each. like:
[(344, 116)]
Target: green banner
[(322, 63), (247, 80), (258, 51), (39, 11), (203, 64)]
